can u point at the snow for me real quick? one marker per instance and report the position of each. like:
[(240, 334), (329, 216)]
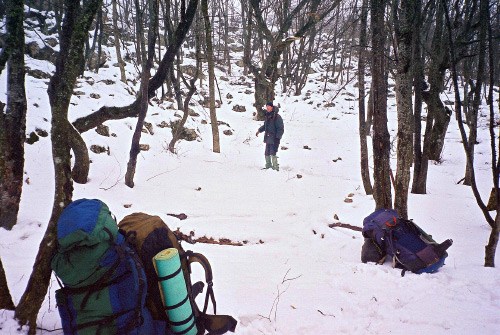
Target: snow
[(294, 274)]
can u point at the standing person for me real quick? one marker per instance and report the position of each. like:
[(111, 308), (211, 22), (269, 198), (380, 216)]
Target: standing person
[(273, 129)]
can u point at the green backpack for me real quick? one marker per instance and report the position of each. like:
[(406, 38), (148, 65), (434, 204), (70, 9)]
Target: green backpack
[(103, 287), (149, 235)]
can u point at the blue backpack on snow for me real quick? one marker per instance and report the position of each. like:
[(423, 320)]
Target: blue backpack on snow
[(386, 234)]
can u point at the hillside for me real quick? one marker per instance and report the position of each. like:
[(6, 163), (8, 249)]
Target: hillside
[(292, 274)]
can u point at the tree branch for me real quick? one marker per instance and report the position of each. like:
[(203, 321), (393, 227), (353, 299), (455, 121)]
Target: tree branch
[(106, 113)]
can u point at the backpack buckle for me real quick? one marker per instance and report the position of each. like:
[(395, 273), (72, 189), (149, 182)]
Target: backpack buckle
[(391, 224)]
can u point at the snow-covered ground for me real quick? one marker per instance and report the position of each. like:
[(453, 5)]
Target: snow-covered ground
[(294, 274)]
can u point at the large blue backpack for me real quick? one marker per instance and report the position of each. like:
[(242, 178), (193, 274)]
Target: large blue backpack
[(386, 234), (104, 284)]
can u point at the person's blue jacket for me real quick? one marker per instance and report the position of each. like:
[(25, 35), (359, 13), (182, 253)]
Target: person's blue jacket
[(273, 126)]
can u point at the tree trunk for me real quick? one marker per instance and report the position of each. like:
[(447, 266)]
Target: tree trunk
[(403, 32), (333, 62), (99, 41), (77, 21), (89, 50), (476, 102), (176, 83), (143, 93), (491, 247), (178, 127), (211, 77), (365, 170), (264, 92), (437, 116), (418, 80), (13, 122), (168, 33), (227, 56), (381, 138), (247, 34), (81, 167), (5, 297), (116, 34)]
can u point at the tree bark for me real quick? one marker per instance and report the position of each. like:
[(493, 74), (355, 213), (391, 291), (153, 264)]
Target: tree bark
[(437, 115), (491, 247), (179, 126), (227, 56), (476, 102), (403, 32), (363, 133), (13, 122), (418, 80), (143, 93), (211, 77), (116, 34), (77, 21), (247, 34), (81, 167), (381, 139), (99, 41), (5, 297)]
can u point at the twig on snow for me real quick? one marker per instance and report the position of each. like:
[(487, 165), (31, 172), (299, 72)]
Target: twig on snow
[(345, 225), (276, 301)]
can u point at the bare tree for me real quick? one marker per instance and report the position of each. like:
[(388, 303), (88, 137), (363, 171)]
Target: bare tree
[(438, 116), (363, 131), (418, 80), (143, 97), (77, 21), (478, 84), (246, 18), (381, 138), (13, 121), (403, 14), (106, 113), (116, 33), (490, 248), (178, 126), (267, 74), (211, 77)]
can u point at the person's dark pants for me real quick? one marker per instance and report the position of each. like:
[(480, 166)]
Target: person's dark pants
[(272, 149)]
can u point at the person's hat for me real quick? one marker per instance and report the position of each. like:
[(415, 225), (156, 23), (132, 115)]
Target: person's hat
[(270, 103)]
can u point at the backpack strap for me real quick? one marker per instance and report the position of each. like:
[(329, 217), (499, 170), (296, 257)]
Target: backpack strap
[(214, 324), (193, 257), (104, 282)]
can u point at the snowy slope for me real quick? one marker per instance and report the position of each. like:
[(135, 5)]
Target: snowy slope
[(294, 274)]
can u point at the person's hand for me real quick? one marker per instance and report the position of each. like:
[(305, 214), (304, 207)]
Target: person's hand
[(257, 134)]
